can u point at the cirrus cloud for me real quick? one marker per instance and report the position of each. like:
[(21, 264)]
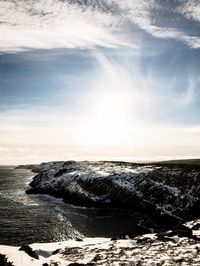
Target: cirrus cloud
[(48, 24)]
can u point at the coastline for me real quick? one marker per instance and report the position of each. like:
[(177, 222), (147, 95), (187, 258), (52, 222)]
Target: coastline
[(168, 193), (179, 246), (175, 247)]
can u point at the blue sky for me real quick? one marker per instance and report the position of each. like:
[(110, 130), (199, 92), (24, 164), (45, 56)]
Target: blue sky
[(41, 77), (99, 80)]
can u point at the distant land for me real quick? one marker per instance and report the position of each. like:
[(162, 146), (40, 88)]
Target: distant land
[(190, 162), (181, 161)]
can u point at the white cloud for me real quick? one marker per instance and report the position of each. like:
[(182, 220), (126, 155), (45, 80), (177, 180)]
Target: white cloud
[(54, 24), (141, 13), (190, 10), (47, 24)]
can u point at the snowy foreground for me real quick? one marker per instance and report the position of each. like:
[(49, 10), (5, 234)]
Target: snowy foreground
[(169, 248)]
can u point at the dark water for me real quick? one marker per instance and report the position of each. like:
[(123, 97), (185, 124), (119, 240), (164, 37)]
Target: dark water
[(41, 218)]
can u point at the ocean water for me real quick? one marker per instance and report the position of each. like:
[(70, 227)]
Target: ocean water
[(26, 218)]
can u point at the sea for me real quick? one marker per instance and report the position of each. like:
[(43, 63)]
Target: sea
[(26, 219)]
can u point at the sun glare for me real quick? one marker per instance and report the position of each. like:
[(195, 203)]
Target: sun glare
[(108, 124), (108, 108)]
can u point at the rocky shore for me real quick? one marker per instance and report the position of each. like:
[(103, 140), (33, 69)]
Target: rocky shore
[(168, 194), (179, 246)]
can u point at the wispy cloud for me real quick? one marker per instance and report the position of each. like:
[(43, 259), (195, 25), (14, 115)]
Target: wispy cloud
[(190, 9), (142, 13), (47, 24), (54, 24)]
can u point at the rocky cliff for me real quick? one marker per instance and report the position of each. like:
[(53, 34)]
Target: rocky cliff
[(168, 193)]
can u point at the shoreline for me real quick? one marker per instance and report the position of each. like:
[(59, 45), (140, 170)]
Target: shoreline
[(175, 247), (169, 193)]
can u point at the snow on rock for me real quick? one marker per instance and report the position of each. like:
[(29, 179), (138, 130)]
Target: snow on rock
[(167, 193), (147, 249)]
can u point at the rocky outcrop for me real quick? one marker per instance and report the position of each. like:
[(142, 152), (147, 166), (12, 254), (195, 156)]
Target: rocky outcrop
[(4, 261), (170, 194), (37, 168), (179, 246), (33, 167), (28, 250)]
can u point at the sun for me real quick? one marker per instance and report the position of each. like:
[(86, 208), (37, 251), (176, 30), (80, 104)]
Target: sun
[(108, 124), (108, 107)]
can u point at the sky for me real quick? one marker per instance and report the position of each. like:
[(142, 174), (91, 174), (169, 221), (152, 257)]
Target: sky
[(99, 79)]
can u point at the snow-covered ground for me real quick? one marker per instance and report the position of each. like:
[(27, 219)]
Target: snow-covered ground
[(147, 249)]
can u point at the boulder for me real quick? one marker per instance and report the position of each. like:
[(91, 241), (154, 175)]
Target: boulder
[(29, 251)]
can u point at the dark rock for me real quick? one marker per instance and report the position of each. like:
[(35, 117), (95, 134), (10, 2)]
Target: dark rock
[(179, 230), (97, 257), (179, 260), (61, 172), (164, 238), (182, 231), (4, 261), (144, 240), (69, 163), (126, 235), (56, 251), (114, 238), (32, 191), (29, 251), (76, 264), (79, 239), (197, 238), (182, 227), (196, 227)]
